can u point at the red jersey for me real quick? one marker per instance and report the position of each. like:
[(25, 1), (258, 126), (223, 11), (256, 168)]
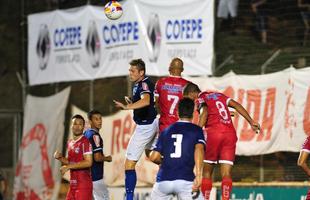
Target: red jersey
[(218, 119), (306, 145), (79, 178), (169, 90)]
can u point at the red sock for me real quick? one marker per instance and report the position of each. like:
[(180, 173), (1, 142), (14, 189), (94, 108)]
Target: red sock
[(206, 187), (308, 195), (226, 188)]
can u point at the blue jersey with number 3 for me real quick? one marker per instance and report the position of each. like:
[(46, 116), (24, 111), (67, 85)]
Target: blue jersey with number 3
[(177, 146)]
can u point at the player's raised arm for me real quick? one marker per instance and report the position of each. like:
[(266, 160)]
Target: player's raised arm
[(143, 102), (241, 110)]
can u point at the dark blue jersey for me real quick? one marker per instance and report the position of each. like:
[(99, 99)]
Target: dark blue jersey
[(145, 115), (97, 144), (177, 146)]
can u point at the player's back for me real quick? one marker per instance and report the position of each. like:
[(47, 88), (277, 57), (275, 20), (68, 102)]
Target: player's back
[(218, 119), (179, 141), (169, 92)]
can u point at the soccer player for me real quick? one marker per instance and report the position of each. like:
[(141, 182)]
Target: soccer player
[(168, 92), (79, 161), (179, 149), (144, 115), (302, 159), (100, 190), (221, 135)]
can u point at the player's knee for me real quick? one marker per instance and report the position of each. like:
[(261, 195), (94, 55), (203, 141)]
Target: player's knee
[(226, 174), (207, 174), (130, 164)]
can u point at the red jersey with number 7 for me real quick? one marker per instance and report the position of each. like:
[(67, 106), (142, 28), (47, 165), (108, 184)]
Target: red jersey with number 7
[(218, 119), (169, 91)]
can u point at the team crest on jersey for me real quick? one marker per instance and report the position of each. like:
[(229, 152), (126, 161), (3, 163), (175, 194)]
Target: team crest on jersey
[(77, 150), (96, 139), (145, 86)]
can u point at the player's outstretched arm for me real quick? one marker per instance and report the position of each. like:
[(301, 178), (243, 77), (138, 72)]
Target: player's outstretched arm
[(86, 163), (144, 101), (302, 161), (155, 157), (199, 154), (203, 115), (241, 110), (58, 156)]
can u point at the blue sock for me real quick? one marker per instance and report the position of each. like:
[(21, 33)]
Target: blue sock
[(130, 183)]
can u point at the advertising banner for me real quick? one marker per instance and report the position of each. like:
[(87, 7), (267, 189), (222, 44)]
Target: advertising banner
[(37, 175), (83, 44), (266, 193)]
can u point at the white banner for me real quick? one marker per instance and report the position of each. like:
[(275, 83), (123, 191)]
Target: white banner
[(37, 174), (280, 102), (82, 44)]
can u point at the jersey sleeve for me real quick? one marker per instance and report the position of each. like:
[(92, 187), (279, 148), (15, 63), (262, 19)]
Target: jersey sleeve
[(87, 147), (200, 137), (200, 102), (145, 88), (226, 99), (96, 143)]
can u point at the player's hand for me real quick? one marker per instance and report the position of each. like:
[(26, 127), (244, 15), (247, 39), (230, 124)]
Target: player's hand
[(256, 127), (119, 104), (128, 100), (108, 158), (64, 169), (197, 183), (57, 155)]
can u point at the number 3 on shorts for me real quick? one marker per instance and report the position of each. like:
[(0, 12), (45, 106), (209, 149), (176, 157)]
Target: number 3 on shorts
[(178, 146)]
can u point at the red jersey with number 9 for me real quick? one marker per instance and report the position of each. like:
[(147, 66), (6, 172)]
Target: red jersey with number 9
[(169, 91), (218, 119)]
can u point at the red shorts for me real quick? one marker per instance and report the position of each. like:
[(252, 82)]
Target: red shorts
[(80, 194), (220, 147)]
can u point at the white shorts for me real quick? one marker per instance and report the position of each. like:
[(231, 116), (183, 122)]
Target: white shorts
[(165, 189), (226, 7), (100, 190), (142, 138)]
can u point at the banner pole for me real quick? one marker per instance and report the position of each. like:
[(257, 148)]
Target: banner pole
[(91, 94)]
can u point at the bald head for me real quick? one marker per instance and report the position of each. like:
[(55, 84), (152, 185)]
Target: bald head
[(176, 67)]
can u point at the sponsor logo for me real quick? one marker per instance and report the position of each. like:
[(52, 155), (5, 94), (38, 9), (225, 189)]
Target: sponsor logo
[(43, 46), (154, 37), (93, 45)]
